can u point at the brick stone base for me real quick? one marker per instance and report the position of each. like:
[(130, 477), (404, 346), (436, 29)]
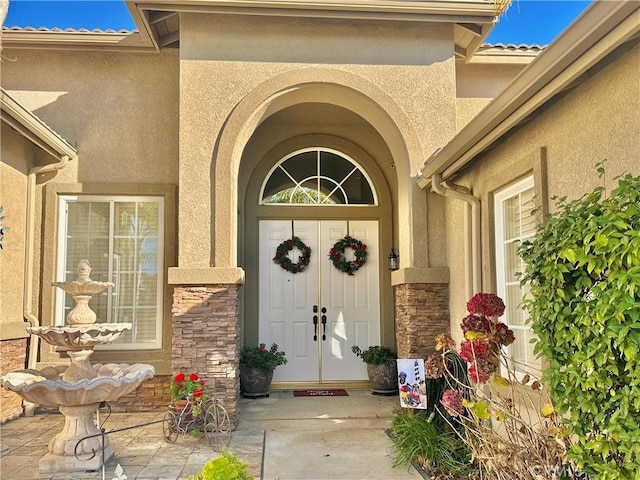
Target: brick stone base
[(206, 338), (152, 394), (13, 355), (422, 312)]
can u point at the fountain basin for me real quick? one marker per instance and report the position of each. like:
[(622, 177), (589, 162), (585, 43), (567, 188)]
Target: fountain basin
[(47, 388), (80, 337)]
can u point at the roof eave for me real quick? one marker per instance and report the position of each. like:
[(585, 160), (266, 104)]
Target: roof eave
[(597, 32), (34, 129), (60, 39)]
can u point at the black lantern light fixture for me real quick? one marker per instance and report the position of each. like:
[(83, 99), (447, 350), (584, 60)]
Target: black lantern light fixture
[(393, 260)]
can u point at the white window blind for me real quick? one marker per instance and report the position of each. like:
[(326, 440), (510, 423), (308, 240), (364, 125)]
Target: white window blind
[(514, 223), (122, 237)]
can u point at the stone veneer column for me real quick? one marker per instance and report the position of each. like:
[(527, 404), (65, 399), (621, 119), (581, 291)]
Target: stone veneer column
[(422, 312), (206, 338)]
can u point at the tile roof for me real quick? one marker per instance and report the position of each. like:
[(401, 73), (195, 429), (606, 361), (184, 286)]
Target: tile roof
[(66, 30), (514, 47)]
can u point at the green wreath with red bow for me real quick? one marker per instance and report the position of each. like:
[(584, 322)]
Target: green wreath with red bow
[(337, 256), (282, 255)]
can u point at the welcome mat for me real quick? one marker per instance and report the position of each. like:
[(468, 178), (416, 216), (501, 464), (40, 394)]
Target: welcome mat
[(334, 392)]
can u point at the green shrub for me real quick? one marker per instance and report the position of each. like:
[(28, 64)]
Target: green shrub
[(583, 268), (262, 357), (375, 355), (225, 467)]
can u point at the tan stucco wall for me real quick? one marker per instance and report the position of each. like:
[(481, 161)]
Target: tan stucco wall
[(118, 109), (599, 120), (366, 67), (477, 85), (17, 157)]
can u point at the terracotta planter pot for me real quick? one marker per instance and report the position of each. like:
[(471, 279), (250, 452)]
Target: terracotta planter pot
[(383, 378), (182, 407), (255, 382)]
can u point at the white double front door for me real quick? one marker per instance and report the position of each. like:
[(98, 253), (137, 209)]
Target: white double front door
[(346, 308)]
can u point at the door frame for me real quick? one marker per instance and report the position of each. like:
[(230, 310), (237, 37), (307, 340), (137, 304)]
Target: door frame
[(251, 212)]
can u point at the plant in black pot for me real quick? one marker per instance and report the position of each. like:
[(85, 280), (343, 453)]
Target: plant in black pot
[(257, 364), (381, 368)]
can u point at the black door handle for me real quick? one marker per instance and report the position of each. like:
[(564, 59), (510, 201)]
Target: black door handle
[(315, 323), (324, 324), (315, 328)]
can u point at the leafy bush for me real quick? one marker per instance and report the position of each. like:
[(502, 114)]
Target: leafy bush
[(375, 355), (261, 357), (225, 467), (583, 268)]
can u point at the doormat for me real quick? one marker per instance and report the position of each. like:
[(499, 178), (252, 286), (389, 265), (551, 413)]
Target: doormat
[(334, 392)]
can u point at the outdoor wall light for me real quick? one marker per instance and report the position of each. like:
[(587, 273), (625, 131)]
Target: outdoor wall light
[(393, 260)]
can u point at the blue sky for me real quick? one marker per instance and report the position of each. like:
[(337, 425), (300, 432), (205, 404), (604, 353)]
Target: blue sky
[(526, 21)]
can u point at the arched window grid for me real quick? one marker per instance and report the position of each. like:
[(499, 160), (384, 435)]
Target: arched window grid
[(323, 196)]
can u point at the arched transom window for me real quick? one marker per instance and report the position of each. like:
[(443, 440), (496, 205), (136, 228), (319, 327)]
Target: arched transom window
[(317, 176)]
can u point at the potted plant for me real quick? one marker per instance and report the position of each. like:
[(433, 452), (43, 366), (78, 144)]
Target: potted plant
[(187, 393), (257, 364), (382, 368)]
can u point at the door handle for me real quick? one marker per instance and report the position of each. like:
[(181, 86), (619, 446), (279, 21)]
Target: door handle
[(315, 323), (324, 324), (315, 328)]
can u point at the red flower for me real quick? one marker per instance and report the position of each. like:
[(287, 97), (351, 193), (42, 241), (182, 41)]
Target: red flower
[(476, 375), (488, 304), (472, 350), (364, 247), (452, 402), (194, 377), (198, 393), (475, 323), (202, 383), (261, 349), (179, 378), (505, 334)]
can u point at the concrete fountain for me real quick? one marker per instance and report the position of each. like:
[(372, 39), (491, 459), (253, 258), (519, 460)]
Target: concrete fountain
[(78, 389)]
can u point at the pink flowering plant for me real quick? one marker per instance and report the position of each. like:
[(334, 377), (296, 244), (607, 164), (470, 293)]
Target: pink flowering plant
[(506, 419)]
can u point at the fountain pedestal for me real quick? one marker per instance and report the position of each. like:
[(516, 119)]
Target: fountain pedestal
[(65, 454)]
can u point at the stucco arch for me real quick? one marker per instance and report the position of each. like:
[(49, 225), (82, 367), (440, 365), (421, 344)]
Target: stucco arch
[(322, 85)]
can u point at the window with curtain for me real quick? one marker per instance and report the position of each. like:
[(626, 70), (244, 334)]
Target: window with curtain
[(514, 223), (317, 176), (122, 237)]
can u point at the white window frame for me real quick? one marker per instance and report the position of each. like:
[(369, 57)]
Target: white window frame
[(59, 313), (500, 197)]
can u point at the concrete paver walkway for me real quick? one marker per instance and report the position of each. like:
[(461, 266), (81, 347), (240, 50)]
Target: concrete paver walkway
[(280, 437)]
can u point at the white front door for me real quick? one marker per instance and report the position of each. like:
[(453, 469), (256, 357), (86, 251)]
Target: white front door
[(347, 307)]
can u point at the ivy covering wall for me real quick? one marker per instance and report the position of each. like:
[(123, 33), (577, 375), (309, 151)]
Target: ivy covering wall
[(583, 268)]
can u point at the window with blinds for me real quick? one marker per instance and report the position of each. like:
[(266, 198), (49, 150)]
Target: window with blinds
[(122, 237), (514, 223)]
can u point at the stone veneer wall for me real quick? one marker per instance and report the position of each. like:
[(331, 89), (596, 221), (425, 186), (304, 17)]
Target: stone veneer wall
[(422, 312), (206, 338), (152, 394), (13, 356)]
